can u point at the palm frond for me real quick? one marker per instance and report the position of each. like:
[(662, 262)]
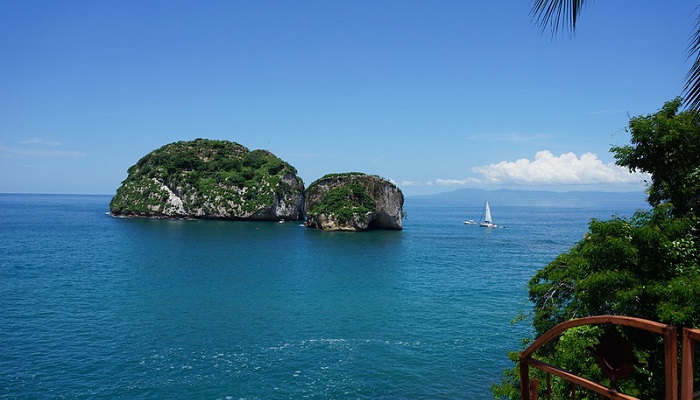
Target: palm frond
[(557, 14), (691, 90)]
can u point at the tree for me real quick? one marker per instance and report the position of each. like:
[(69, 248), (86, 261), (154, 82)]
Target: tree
[(667, 146), (647, 266), (564, 14)]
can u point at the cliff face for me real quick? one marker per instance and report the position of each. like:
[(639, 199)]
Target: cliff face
[(210, 179), (353, 202)]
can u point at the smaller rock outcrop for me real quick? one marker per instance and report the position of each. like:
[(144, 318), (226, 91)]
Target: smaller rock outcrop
[(353, 202)]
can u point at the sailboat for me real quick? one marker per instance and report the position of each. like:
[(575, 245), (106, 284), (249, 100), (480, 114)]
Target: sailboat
[(487, 222)]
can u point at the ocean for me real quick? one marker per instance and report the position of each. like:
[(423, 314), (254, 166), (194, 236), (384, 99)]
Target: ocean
[(94, 307)]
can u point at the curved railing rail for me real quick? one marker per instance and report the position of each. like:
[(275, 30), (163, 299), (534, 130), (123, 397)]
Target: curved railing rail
[(668, 332)]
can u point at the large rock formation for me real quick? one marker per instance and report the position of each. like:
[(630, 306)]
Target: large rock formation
[(211, 179), (353, 202)]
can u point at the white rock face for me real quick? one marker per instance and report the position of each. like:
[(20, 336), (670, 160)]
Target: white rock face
[(287, 204), (389, 200), (174, 204)]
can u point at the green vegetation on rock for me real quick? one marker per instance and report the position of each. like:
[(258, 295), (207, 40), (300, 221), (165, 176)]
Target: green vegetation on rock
[(344, 201), (209, 179)]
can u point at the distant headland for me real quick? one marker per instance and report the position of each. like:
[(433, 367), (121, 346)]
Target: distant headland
[(217, 179)]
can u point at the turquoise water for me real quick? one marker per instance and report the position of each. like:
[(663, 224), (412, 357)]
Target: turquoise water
[(98, 307)]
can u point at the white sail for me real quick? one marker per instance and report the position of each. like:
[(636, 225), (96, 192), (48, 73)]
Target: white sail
[(487, 221), (487, 213)]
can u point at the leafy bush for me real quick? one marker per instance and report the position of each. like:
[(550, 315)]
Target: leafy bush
[(344, 201)]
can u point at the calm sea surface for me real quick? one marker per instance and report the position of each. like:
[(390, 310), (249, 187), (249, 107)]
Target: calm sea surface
[(98, 307)]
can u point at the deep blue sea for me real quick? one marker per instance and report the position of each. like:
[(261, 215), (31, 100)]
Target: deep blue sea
[(98, 307)]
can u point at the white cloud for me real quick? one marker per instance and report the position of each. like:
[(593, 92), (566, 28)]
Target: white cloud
[(456, 182), (415, 183), (41, 142), (567, 168)]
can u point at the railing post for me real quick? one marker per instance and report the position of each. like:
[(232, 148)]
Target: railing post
[(524, 380), (671, 361), (687, 367), (534, 389)]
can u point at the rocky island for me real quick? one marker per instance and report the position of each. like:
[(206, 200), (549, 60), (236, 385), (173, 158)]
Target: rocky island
[(218, 179), (353, 202), (210, 179)]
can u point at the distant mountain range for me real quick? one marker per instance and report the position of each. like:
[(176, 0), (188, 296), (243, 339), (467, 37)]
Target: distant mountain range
[(509, 195)]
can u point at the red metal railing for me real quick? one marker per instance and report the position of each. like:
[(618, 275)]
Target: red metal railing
[(670, 337)]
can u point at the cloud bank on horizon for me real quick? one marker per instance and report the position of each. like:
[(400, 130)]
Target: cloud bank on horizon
[(547, 169)]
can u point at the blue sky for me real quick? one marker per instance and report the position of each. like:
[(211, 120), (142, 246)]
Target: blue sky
[(434, 95)]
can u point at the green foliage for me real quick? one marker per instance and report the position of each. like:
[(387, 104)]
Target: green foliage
[(205, 173), (647, 266), (667, 146), (344, 201), (351, 174), (342, 174), (622, 267)]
